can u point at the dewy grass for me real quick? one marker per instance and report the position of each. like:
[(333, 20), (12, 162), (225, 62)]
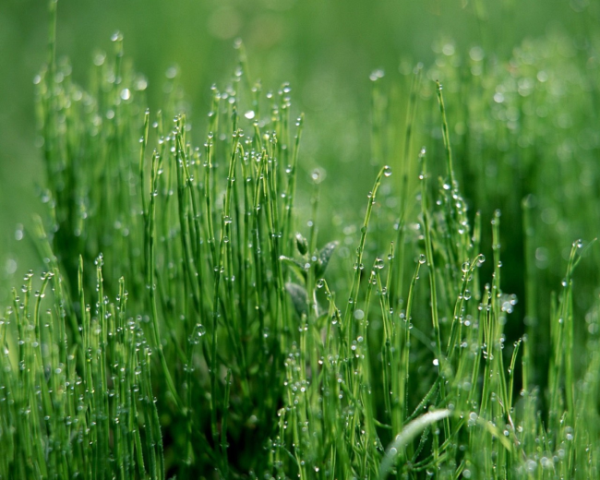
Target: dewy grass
[(186, 324)]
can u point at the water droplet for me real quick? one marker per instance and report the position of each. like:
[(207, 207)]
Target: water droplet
[(140, 85), (171, 72), (317, 175), (376, 75)]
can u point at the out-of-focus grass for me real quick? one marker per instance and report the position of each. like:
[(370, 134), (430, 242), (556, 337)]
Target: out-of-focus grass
[(326, 51)]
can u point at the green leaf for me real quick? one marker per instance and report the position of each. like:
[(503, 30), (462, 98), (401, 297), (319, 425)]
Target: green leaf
[(295, 266), (323, 259), (299, 297), (301, 244)]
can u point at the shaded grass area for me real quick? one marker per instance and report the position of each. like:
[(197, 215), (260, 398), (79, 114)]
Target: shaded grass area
[(195, 320)]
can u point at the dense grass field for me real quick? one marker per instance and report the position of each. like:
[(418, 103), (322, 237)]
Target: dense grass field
[(212, 302)]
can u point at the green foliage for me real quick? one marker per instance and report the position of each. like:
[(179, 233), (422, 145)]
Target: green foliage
[(189, 326)]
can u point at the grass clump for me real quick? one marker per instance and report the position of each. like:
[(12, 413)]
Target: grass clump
[(187, 324)]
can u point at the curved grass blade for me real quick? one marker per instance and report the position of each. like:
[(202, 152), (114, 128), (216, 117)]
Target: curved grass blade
[(407, 435)]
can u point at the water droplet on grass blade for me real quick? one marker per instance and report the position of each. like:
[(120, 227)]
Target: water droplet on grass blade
[(317, 175)]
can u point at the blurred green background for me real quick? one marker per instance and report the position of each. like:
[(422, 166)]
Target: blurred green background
[(326, 49)]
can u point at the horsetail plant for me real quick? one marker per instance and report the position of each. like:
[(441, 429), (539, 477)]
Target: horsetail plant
[(188, 325)]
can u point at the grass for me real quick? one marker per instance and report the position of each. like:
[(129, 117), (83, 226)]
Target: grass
[(195, 320)]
